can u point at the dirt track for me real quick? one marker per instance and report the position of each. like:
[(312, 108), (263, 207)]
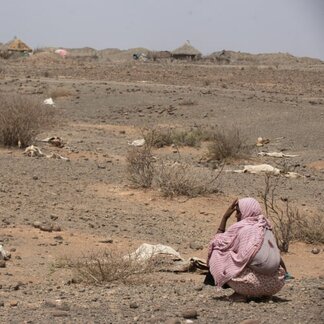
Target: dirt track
[(91, 199)]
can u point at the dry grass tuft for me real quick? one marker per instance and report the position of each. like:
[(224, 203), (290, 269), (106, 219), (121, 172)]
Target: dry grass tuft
[(140, 166), (226, 145), (180, 179), (21, 119), (109, 266), (181, 137)]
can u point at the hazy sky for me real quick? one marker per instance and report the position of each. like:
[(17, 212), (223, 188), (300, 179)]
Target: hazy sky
[(257, 26)]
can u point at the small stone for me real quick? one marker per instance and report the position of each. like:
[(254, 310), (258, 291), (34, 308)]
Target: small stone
[(37, 224), (189, 313), (35, 177), (173, 321), (196, 246), (46, 228), (1, 304), (316, 250), (250, 321), (57, 228), (13, 303), (2, 263), (133, 305), (60, 314), (108, 240)]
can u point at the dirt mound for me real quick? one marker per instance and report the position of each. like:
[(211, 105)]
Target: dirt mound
[(232, 57), (84, 51), (45, 57)]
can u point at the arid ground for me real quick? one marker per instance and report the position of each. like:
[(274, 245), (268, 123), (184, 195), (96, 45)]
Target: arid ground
[(108, 104)]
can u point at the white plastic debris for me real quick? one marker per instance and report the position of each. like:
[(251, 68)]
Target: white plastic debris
[(276, 154), (138, 143), (147, 251), (49, 101), (292, 175)]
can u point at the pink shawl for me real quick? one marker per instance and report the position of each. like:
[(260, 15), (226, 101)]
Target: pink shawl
[(231, 251)]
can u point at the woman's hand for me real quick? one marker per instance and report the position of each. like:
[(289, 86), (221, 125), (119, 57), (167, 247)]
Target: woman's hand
[(231, 209)]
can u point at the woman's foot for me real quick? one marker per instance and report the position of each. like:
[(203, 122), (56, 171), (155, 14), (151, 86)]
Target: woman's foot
[(237, 298)]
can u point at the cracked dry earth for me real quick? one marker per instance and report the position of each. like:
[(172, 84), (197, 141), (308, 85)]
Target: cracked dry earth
[(91, 200)]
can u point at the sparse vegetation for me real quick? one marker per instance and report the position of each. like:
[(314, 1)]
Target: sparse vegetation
[(167, 136), (21, 119), (289, 225), (227, 144), (181, 179), (108, 266), (140, 166)]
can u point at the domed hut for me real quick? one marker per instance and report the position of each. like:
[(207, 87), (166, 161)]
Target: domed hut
[(186, 52)]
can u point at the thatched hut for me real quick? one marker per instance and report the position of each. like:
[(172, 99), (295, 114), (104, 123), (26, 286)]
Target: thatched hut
[(186, 51), (16, 45)]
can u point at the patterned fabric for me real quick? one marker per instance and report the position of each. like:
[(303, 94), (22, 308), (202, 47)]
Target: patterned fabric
[(230, 252), (253, 284)]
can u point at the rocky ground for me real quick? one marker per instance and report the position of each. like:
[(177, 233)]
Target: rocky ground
[(93, 206)]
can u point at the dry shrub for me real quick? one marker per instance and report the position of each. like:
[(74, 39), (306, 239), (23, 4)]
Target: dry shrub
[(140, 166), (227, 144), (186, 137), (60, 92), (310, 229), (108, 266), (289, 225), (181, 179), (21, 119), (158, 137)]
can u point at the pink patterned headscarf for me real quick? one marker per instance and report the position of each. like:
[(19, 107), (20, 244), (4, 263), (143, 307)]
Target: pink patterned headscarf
[(231, 251)]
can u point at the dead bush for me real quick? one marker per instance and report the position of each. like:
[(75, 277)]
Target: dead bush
[(227, 144), (21, 119), (310, 229), (181, 137), (59, 93), (181, 179), (108, 266), (140, 166), (289, 225), (158, 137)]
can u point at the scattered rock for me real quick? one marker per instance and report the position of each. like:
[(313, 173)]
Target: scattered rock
[(56, 228), (2, 263), (316, 250), (13, 303), (37, 224), (196, 246), (250, 321), (189, 313), (133, 305), (173, 321), (108, 240), (46, 228)]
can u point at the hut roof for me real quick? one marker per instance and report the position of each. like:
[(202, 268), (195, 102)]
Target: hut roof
[(186, 49), (18, 45)]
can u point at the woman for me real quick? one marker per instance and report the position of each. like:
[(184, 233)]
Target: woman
[(246, 256)]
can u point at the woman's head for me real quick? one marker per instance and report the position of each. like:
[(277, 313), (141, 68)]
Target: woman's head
[(247, 207)]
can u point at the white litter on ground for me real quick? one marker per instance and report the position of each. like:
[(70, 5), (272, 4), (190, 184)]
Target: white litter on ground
[(139, 142), (49, 101)]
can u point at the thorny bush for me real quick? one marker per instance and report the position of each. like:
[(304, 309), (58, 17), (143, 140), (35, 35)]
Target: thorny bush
[(21, 119)]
